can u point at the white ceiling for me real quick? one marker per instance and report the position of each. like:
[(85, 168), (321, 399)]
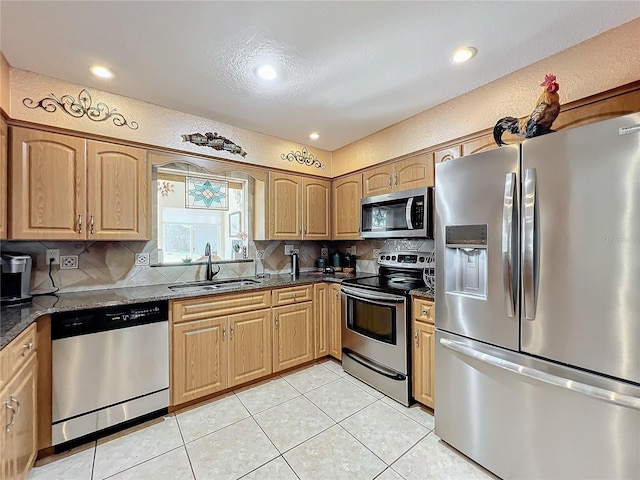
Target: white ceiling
[(347, 69)]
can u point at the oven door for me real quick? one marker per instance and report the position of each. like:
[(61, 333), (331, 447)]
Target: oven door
[(375, 327)]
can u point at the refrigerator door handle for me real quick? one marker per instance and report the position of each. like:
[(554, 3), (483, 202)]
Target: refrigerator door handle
[(603, 394), (507, 243), (528, 243)]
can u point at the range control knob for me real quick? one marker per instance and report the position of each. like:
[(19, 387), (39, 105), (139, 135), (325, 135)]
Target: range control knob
[(421, 259)]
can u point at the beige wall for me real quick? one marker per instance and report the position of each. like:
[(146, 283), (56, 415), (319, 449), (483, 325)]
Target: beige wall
[(157, 125), (4, 84), (601, 63)]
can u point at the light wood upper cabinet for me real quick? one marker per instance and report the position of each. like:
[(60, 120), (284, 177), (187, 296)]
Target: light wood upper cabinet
[(292, 335), (414, 172), (447, 154), (298, 207), (118, 200), (378, 180), (4, 155), (18, 415), (61, 192), (335, 321), (480, 144), (405, 174), (321, 319), (346, 195), (249, 346), (316, 199), (285, 206), (48, 175)]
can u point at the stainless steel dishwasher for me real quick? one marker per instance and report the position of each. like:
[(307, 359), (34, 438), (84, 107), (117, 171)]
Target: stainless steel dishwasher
[(110, 367)]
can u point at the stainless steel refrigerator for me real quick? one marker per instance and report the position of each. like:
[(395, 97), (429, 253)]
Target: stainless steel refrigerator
[(538, 304)]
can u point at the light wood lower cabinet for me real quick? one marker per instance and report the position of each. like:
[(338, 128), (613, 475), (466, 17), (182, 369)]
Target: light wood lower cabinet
[(292, 335), (321, 319), (211, 352), (423, 351), (249, 346), (18, 419), (335, 321)]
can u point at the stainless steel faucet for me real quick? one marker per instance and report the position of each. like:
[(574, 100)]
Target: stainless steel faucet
[(209, 272)]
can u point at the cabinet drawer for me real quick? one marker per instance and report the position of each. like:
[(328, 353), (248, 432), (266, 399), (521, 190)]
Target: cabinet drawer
[(289, 295), (424, 310), (17, 353), (217, 306)]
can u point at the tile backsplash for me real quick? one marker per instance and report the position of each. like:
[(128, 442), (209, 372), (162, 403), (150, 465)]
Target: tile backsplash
[(103, 265)]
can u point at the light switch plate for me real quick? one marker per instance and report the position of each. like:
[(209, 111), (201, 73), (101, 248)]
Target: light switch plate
[(288, 249), (142, 259)]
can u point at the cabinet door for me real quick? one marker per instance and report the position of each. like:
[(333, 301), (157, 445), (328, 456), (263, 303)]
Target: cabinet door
[(316, 209), (377, 181), (20, 439), (446, 154), (292, 335), (285, 207), (347, 193), (118, 197), (48, 186), (4, 142), (480, 144), (321, 319), (249, 346), (335, 321), (414, 172), (423, 362), (198, 359)]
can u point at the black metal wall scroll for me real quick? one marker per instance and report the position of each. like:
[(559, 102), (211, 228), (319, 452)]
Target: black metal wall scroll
[(304, 157), (215, 141), (83, 106)]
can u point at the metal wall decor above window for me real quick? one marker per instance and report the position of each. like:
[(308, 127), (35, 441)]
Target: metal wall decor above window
[(215, 141), (304, 158), (81, 107)]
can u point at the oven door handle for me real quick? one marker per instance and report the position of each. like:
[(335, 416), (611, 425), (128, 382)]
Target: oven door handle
[(378, 297), (393, 375)]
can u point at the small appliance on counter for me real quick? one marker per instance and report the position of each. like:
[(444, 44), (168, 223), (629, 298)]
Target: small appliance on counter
[(295, 265), (15, 283)]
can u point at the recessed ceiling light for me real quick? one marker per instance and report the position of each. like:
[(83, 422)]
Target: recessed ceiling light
[(314, 135), (267, 72), (101, 72), (463, 54)]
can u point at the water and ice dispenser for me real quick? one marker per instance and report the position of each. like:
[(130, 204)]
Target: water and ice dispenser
[(466, 260)]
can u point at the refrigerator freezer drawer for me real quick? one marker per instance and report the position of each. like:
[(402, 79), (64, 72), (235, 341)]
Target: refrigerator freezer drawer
[(526, 418)]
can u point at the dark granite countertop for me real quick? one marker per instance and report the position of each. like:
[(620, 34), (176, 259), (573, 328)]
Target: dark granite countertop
[(423, 293), (15, 319)]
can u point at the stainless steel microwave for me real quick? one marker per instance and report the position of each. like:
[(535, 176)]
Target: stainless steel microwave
[(398, 215)]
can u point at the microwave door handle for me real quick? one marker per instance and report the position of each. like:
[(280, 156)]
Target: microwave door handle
[(508, 226), (407, 213)]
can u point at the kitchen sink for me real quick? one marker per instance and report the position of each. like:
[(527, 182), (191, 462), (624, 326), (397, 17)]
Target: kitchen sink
[(213, 285)]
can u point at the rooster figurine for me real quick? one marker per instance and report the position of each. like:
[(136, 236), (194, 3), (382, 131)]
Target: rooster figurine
[(540, 120)]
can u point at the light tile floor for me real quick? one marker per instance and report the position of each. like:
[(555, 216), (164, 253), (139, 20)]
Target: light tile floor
[(314, 423)]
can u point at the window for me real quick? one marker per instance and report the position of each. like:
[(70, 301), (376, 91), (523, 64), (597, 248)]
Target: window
[(196, 208)]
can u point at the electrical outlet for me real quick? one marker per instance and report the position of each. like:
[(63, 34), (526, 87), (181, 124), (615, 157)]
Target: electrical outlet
[(142, 259), (348, 251), (324, 252), (68, 262), (53, 253), (288, 249), (353, 250), (376, 252), (259, 253)]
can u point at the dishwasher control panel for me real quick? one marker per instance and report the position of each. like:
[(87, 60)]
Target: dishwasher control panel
[(84, 322)]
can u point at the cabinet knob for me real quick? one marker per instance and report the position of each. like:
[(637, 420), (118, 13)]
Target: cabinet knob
[(417, 339), (91, 224), (276, 319), (231, 332), (79, 223), (425, 312), (26, 347), (13, 416), (300, 230), (224, 332)]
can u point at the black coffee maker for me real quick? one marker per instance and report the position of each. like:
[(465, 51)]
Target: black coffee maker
[(15, 281)]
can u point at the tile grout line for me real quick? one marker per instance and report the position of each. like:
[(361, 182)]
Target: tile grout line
[(184, 445), (367, 448), (93, 463)]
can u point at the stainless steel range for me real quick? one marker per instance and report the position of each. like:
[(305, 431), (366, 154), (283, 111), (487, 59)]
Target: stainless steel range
[(377, 326)]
